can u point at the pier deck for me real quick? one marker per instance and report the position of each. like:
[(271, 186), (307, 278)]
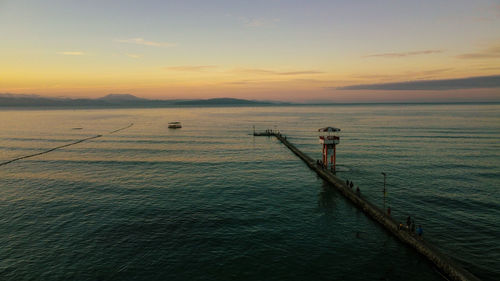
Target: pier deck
[(443, 263)]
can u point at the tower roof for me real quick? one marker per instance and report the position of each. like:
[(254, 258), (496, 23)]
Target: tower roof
[(329, 129)]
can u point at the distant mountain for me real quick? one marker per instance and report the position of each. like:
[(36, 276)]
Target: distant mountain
[(121, 97), (15, 100), (8, 95), (118, 100), (222, 101)]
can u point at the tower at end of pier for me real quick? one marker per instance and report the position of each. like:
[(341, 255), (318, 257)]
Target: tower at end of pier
[(329, 138)]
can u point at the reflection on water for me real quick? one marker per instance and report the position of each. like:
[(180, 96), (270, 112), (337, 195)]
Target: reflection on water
[(327, 198)]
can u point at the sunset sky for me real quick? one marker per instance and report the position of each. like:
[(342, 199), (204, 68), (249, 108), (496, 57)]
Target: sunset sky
[(285, 50)]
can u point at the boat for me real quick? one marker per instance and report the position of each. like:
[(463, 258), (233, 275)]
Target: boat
[(174, 125)]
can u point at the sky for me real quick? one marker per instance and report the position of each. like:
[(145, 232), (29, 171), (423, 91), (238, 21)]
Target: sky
[(286, 50)]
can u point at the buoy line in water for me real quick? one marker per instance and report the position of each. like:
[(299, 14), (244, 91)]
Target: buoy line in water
[(62, 146), (126, 127)]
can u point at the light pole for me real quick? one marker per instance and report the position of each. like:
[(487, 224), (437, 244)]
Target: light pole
[(385, 191)]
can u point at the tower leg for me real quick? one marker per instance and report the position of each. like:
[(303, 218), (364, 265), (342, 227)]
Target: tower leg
[(325, 156), (324, 153), (334, 156), (331, 161)]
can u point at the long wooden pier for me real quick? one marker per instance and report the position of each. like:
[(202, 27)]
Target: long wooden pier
[(444, 264)]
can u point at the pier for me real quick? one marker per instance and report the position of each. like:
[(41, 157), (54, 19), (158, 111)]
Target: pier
[(444, 264)]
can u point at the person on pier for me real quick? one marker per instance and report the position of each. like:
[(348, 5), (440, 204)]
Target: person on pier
[(420, 232)]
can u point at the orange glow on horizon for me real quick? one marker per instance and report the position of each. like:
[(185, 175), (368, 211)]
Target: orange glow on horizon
[(289, 58)]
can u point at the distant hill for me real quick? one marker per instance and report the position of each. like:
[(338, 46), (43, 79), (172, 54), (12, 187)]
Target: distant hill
[(222, 101), (121, 97), (118, 100), (13, 100)]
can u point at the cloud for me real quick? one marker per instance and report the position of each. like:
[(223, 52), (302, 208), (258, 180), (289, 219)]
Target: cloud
[(490, 68), (258, 22), (134, 56), (258, 71), (443, 84), (244, 82), (404, 54), (72, 53), (425, 74), (141, 41), (488, 53), (302, 80), (255, 23), (272, 72), (194, 68), (299, 72)]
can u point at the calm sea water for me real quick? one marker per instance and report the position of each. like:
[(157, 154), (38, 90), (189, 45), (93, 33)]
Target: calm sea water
[(211, 202)]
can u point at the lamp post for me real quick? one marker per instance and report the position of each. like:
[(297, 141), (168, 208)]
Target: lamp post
[(385, 191)]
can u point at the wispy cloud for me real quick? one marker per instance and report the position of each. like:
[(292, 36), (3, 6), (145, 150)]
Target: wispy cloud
[(193, 68), (488, 53), (300, 72), (141, 41), (258, 22), (243, 82), (404, 54), (273, 72), (255, 22), (72, 53), (490, 68), (302, 80), (419, 75), (442, 84), (134, 56)]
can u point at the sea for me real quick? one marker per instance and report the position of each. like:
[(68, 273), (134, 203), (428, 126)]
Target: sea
[(210, 201)]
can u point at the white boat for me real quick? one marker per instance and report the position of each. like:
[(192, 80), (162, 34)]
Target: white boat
[(174, 125)]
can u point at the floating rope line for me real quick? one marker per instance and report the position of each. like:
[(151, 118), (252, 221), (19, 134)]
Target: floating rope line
[(126, 127), (62, 146)]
